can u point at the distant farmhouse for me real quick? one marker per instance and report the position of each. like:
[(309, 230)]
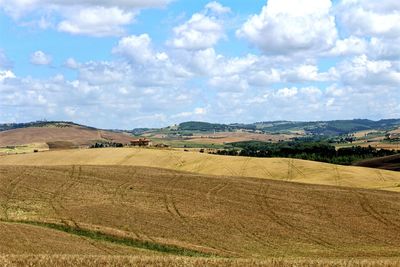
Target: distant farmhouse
[(392, 136), (141, 142)]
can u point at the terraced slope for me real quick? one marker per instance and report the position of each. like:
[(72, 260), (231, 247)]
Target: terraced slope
[(180, 213), (268, 168)]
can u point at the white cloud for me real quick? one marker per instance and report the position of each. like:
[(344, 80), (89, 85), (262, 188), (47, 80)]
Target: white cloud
[(96, 21), (217, 8), (371, 17), (292, 26), (6, 74), (362, 71), (87, 17), (350, 46), (137, 49), (201, 31), (286, 92), (71, 63), (40, 58), (18, 8)]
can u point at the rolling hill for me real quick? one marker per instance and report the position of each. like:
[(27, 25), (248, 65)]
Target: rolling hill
[(267, 168), (327, 128), (58, 135), (216, 219), (387, 163)]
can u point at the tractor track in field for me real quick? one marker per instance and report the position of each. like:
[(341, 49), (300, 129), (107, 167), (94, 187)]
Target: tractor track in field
[(59, 196), (368, 208), (266, 172), (179, 162), (290, 171), (262, 199), (244, 167), (356, 231), (202, 164), (173, 210), (253, 236), (213, 192), (119, 198), (10, 191), (57, 205), (337, 175), (380, 176), (212, 199), (294, 167)]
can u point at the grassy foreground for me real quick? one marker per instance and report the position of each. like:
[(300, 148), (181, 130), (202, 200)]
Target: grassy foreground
[(114, 261)]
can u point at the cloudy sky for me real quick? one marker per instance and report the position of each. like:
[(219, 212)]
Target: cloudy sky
[(150, 63)]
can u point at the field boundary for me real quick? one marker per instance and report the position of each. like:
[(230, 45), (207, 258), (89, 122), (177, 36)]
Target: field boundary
[(130, 242)]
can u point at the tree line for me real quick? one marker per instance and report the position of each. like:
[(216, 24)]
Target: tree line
[(315, 151)]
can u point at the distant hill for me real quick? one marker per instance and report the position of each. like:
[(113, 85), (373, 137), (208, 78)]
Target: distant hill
[(337, 127), (57, 134), (329, 128)]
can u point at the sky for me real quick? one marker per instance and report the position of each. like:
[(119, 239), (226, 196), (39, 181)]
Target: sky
[(152, 63)]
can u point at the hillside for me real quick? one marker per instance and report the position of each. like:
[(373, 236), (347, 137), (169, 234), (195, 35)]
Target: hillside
[(59, 135), (267, 168), (180, 213), (387, 163), (327, 128)]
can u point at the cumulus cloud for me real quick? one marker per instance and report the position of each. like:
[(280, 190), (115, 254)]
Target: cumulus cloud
[(136, 48), (292, 26), (201, 31), (361, 70), (6, 74), (96, 21), (40, 58), (376, 23), (371, 18), (304, 71), (87, 17), (217, 8)]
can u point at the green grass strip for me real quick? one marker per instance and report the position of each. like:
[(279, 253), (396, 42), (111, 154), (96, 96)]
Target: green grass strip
[(96, 235)]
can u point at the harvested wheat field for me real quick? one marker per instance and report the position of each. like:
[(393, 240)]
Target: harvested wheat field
[(185, 214), (268, 168)]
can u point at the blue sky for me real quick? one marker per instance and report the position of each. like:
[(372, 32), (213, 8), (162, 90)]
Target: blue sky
[(127, 64)]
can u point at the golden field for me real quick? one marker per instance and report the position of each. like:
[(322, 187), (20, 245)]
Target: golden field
[(150, 210), (268, 168), (141, 207)]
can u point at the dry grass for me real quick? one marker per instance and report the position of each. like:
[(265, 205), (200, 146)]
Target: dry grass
[(234, 217), (268, 168), (21, 239), (114, 261)]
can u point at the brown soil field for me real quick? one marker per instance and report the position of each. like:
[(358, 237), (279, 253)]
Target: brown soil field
[(76, 135), (234, 217), (388, 163), (268, 168)]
